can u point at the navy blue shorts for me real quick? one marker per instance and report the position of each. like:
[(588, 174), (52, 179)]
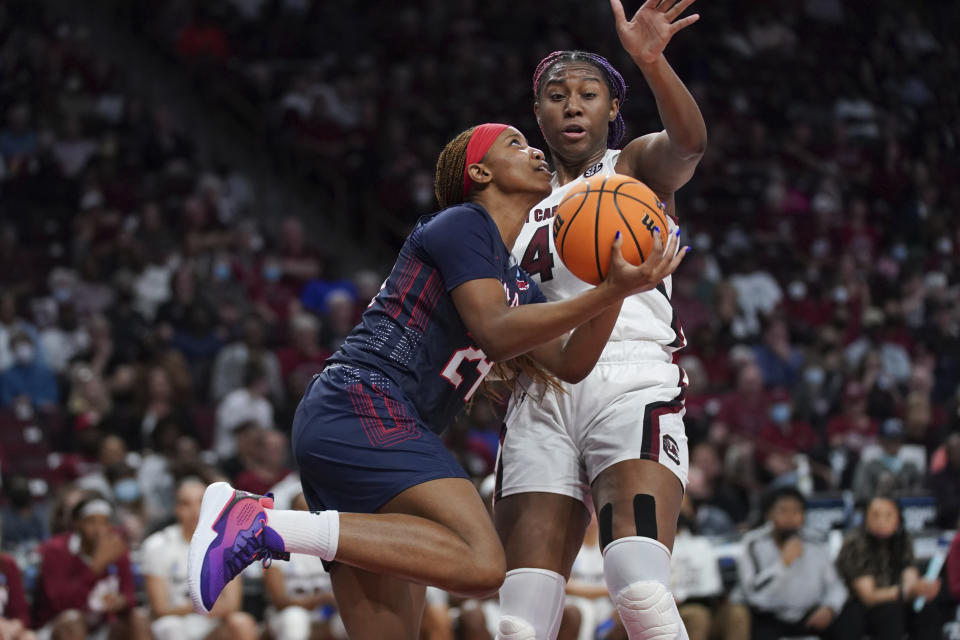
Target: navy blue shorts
[(359, 442)]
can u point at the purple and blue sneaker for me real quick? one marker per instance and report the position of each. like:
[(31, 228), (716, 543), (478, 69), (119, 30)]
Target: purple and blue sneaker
[(232, 534)]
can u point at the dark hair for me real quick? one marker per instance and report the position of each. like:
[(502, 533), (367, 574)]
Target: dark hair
[(776, 495), (898, 541), (615, 82), (448, 179)]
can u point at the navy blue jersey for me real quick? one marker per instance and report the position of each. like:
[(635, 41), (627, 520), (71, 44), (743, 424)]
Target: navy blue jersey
[(412, 331)]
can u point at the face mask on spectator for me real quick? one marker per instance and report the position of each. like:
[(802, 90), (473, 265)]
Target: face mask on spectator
[(814, 376), (23, 353), (780, 413), (271, 272), (899, 252), (892, 462), (797, 290), (126, 490), (221, 271), (840, 295)]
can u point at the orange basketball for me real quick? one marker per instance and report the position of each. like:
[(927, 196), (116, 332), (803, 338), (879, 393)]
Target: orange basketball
[(590, 215)]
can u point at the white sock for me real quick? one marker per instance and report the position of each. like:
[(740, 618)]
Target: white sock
[(316, 534)]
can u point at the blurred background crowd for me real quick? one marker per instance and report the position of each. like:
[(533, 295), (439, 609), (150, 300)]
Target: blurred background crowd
[(160, 314)]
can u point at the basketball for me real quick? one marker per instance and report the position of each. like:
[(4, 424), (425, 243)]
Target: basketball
[(588, 218)]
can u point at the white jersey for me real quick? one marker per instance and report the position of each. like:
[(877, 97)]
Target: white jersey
[(304, 575), (647, 316), (165, 556)]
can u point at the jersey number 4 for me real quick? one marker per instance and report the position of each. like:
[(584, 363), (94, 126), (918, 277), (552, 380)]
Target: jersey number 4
[(537, 259), (470, 354)]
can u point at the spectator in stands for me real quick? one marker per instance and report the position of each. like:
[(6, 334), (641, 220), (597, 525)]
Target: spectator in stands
[(165, 571), (87, 571), (698, 587), (779, 360), (304, 357), (14, 611), (785, 436), (249, 402), (745, 410), (28, 380), (300, 597), (228, 368), (270, 464), (853, 429), (788, 579), (719, 505), (887, 474), (945, 485), (298, 262), (247, 437), (21, 521), (65, 339), (160, 401), (877, 563), (19, 142)]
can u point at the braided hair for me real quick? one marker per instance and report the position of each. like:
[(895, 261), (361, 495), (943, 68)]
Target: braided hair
[(448, 179), (448, 187), (615, 82)]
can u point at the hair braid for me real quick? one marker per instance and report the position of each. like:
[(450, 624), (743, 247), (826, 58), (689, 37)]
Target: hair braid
[(615, 82), (448, 179)]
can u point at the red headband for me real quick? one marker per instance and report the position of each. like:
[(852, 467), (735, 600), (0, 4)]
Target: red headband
[(481, 140)]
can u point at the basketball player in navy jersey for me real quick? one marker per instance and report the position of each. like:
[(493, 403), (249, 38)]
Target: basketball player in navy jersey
[(393, 510), (616, 438)]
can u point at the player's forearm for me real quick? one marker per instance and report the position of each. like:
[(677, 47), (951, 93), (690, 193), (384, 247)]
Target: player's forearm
[(573, 361), (678, 110), (522, 329)]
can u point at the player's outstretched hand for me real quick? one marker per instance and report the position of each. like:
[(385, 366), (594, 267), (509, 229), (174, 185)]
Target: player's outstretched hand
[(627, 279), (646, 35)]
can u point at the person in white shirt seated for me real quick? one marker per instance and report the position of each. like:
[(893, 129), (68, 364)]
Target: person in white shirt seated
[(300, 596), (697, 585), (165, 570)]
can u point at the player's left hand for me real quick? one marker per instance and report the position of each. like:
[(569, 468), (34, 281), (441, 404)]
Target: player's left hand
[(646, 35)]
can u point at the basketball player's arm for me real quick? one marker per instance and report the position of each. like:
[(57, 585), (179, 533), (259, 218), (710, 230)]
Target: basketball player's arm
[(666, 160), (571, 360), (504, 332)]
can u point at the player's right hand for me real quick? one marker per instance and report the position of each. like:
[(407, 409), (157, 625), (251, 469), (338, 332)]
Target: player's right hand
[(627, 279)]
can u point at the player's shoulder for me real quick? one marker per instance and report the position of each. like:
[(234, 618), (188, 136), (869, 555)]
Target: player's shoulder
[(160, 540)]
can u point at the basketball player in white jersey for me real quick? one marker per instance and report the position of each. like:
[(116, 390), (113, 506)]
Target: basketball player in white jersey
[(617, 437), (165, 571)]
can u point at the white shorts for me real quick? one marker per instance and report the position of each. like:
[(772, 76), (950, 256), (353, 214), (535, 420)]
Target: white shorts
[(189, 627), (629, 407)]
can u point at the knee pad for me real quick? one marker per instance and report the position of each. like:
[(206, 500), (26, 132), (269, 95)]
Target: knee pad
[(648, 611), (637, 572), (531, 605)]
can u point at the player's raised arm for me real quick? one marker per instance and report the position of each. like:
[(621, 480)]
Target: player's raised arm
[(667, 159)]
